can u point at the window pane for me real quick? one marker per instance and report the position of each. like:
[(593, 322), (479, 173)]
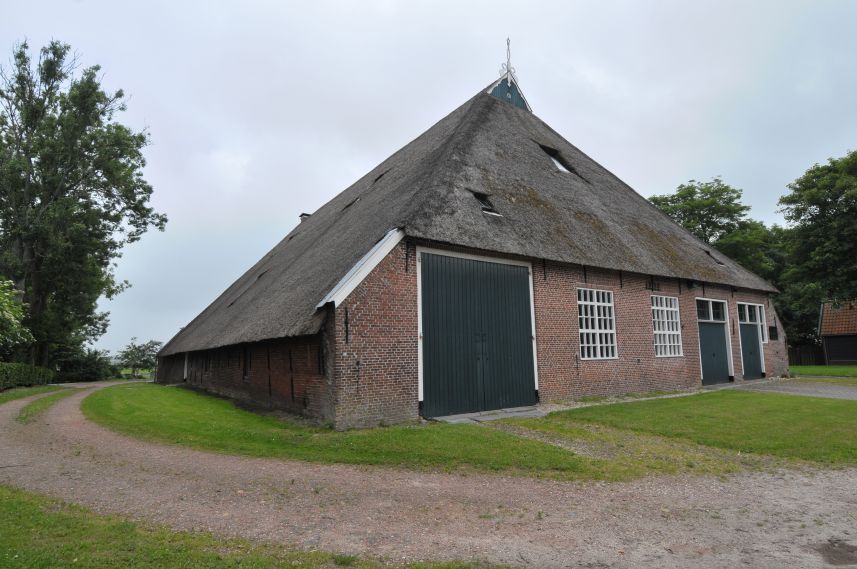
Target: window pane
[(702, 310), (717, 311), (742, 313)]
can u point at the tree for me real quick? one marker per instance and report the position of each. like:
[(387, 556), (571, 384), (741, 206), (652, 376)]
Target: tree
[(12, 331), (140, 356), (757, 248), (709, 210), (713, 212), (821, 207), (72, 194)]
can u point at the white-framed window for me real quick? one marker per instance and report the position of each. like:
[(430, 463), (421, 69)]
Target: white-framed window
[(666, 326), (708, 310), (597, 324), (749, 313)]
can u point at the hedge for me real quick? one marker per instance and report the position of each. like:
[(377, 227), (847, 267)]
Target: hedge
[(14, 375)]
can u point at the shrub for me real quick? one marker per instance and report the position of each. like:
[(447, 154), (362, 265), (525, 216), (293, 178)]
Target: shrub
[(15, 375), (80, 364)]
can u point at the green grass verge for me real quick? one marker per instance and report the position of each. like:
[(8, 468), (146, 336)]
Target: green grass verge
[(836, 371), (548, 447), (174, 415), (40, 532), (806, 428), (21, 392), (32, 410)]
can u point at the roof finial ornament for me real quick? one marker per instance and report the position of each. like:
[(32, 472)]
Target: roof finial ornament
[(507, 68)]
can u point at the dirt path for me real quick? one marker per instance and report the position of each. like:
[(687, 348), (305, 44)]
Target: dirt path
[(762, 520)]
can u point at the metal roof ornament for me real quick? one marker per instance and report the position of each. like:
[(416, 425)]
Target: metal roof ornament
[(507, 68)]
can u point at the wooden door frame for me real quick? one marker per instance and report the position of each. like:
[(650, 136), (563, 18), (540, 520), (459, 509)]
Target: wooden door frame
[(726, 324)]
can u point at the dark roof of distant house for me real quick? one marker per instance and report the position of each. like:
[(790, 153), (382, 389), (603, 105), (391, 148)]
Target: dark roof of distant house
[(838, 318), (554, 201)]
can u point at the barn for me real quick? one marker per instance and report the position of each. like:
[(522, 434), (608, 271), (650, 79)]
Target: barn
[(838, 331), (487, 264)]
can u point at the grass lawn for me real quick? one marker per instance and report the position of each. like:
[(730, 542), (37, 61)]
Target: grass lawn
[(835, 371), (806, 428), (40, 532), (21, 392), (174, 415), (32, 410), (545, 447)]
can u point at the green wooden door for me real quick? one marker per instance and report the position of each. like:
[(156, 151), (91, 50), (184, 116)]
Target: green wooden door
[(713, 353), (750, 351), (477, 335)]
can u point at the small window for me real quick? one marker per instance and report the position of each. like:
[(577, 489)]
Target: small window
[(666, 326), (773, 334), (596, 324), (754, 314), (485, 203), (718, 311), (710, 310), (557, 160), (702, 310)]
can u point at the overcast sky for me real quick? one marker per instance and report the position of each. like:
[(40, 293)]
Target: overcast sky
[(261, 110)]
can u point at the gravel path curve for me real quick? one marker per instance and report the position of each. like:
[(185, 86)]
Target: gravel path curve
[(759, 520)]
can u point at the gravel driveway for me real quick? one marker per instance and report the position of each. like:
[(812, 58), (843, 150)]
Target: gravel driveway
[(811, 389), (759, 520)]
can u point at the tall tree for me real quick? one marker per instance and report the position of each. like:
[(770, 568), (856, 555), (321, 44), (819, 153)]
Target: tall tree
[(709, 210), (821, 207), (72, 193)]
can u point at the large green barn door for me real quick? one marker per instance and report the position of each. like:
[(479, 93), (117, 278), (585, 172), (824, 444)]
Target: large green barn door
[(750, 353), (477, 335)]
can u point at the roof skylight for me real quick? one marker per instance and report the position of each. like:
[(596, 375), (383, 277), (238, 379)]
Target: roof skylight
[(487, 206)]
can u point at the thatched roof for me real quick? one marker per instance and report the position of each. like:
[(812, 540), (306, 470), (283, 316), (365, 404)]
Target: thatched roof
[(585, 216)]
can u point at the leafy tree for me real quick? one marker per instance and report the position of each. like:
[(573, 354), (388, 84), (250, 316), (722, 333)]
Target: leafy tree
[(72, 193), (822, 208), (12, 331), (757, 248), (140, 356), (709, 210), (713, 212)]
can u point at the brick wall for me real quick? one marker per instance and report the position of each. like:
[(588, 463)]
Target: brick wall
[(376, 362), (282, 374), (362, 370), (375, 337)]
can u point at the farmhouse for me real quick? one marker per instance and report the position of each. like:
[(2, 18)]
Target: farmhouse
[(487, 264), (838, 331)]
